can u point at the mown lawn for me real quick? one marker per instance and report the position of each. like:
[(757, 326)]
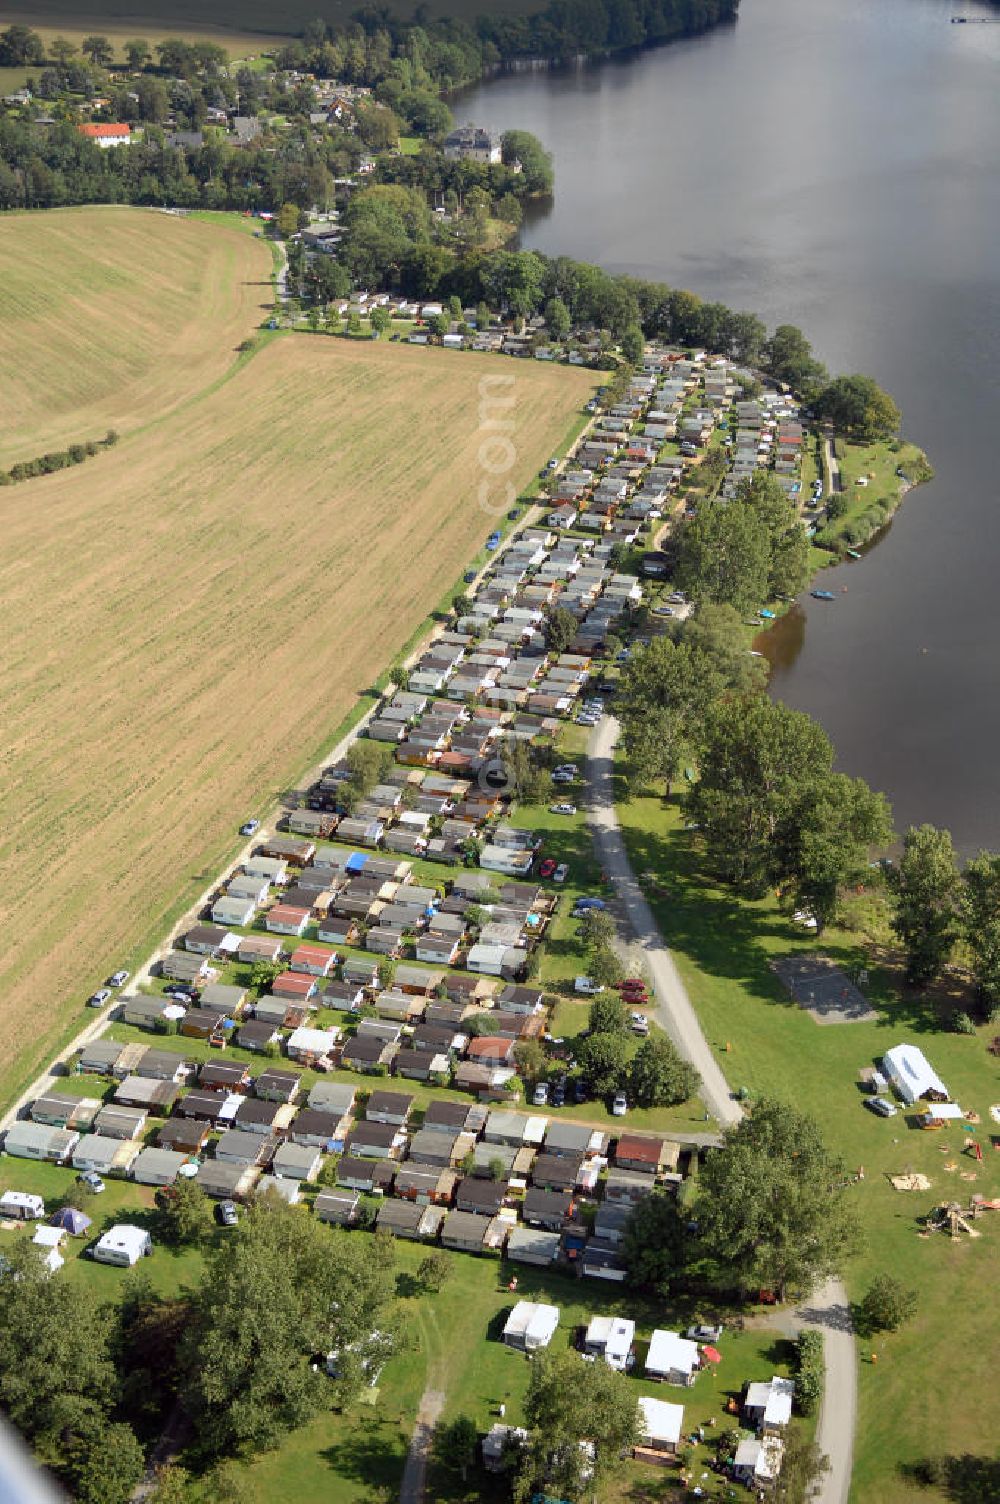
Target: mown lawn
[(453, 1343), (768, 1044)]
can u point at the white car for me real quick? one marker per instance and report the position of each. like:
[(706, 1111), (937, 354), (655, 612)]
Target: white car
[(562, 809), (587, 720), (117, 979), (640, 1023), (562, 777), (586, 985), (619, 1106), (561, 873)]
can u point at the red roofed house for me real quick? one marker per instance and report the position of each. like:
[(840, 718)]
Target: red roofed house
[(636, 1151), (293, 985), (491, 1050), (313, 959), (107, 135), (283, 919)]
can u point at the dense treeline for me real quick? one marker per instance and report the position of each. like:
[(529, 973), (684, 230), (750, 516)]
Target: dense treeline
[(449, 52)]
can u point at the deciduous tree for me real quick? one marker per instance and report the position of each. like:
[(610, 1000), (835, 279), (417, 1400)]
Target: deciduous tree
[(980, 919), (570, 1401), (771, 1209), (925, 889), (604, 1061), (659, 1076)]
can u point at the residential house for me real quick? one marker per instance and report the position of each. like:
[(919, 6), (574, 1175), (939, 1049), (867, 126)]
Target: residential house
[(256, 1115), (104, 1154), (157, 1166), (238, 1148), (39, 1141), (55, 1110), (660, 1424), (389, 1107), (313, 960), (100, 1057), (284, 919), (120, 1122), (254, 948), (426, 1184), (483, 1197), (149, 1012), (557, 1172), (768, 1407), (757, 1462), (599, 1260), (107, 136), (184, 966), (340, 1208), (184, 1135), (313, 1047), (628, 1186), (147, 1093), (237, 912), (275, 1084), (635, 1151), (672, 1358), (611, 1338), (224, 1075), (224, 998), (227, 1182), (296, 1161), (376, 1141), (373, 1177), (404, 1219), (258, 1035), (547, 1209), (531, 1326), (202, 1023)]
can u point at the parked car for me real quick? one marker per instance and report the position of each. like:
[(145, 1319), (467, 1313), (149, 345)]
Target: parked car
[(704, 1333), (559, 1091), (513, 514), (493, 541), (469, 577), (663, 610), (540, 1095), (249, 827), (228, 1215), (184, 990), (562, 809), (177, 995), (546, 867), (587, 719), (92, 1181), (117, 978), (558, 777), (677, 597), (553, 464), (640, 1024), (881, 1106), (586, 985), (561, 873), (619, 1106), (631, 984), (579, 1091), (566, 767), (99, 998), (583, 904)]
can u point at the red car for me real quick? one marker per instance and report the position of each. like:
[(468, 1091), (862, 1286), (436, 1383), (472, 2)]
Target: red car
[(547, 867), (632, 984)]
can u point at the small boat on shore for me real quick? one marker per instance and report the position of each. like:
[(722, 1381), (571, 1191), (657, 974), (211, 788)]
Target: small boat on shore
[(852, 553), (822, 595), (767, 615)]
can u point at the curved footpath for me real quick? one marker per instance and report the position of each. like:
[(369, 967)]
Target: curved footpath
[(828, 1309)]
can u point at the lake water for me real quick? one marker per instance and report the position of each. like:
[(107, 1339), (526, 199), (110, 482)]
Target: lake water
[(833, 164)]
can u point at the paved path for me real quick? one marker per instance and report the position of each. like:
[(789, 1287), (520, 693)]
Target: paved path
[(832, 467), (411, 1490), (673, 1011), (828, 1309)]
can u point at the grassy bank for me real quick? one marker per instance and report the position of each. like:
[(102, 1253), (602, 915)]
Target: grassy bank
[(874, 478), (723, 947)]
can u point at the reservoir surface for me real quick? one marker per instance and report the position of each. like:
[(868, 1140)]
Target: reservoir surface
[(833, 164)]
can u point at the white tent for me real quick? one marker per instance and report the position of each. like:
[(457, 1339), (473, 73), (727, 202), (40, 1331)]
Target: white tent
[(910, 1073), (531, 1326)]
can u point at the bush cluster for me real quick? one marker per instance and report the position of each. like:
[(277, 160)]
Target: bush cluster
[(56, 459)]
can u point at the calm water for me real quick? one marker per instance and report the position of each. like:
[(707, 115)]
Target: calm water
[(834, 164)]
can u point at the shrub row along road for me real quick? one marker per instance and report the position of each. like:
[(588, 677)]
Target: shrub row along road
[(828, 1309)]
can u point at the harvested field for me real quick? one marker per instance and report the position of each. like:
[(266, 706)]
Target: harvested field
[(194, 612), (136, 311)]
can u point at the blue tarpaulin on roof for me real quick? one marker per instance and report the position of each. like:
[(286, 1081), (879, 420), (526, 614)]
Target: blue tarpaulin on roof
[(356, 862)]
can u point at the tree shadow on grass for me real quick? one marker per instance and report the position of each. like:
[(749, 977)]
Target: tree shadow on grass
[(727, 938), (369, 1454), (966, 1479)]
